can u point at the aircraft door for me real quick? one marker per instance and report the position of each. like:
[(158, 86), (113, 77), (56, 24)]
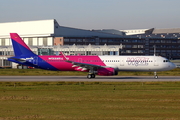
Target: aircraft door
[(121, 62), (156, 61)]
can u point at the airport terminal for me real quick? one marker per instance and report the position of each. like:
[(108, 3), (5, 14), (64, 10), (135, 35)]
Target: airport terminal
[(48, 37)]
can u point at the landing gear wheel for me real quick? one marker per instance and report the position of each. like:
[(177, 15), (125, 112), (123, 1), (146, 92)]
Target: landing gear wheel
[(93, 75), (89, 76), (156, 77)]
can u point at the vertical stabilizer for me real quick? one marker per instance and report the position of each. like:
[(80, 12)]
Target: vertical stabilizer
[(19, 46)]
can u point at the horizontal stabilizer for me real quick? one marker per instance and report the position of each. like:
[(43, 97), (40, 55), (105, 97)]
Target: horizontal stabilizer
[(22, 60)]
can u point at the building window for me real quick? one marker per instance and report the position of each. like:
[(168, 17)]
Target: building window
[(134, 46), (134, 51), (3, 42), (174, 41), (140, 46), (91, 40), (157, 41), (141, 51), (174, 46), (127, 41), (30, 41), (168, 41), (163, 46), (104, 40), (151, 41), (45, 41), (128, 51), (72, 40), (134, 41), (110, 40), (66, 40), (128, 46), (79, 40), (162, 41), (168, 46), (140, 41)]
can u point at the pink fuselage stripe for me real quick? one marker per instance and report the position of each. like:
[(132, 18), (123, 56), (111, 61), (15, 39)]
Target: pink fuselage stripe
[(59, 62), (16, 37)]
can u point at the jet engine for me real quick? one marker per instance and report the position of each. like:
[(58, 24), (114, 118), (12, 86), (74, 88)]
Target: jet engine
[(107, 71)]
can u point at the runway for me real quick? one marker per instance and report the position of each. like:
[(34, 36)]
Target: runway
[(83, 78)]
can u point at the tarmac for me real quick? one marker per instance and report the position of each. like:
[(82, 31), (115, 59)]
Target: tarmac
[(85, 79)]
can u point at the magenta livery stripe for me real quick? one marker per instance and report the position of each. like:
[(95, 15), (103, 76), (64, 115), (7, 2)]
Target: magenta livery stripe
[(59, 62), (15, 37)]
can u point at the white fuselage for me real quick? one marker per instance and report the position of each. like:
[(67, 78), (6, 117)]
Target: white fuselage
[(138, 63)]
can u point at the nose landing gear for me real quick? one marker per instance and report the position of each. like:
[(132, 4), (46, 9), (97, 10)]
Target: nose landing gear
[(155, 75)]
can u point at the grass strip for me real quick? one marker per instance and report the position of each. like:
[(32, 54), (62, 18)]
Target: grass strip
[(90, 100)]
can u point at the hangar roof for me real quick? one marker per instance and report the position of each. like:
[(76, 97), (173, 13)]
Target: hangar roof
[(167, 30), (28, 28), (111, 31), (47, 28)]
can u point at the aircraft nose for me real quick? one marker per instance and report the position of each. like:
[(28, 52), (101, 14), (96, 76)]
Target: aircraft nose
[(173, 66)]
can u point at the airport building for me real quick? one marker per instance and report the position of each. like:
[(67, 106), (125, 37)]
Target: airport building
[(48, 37)]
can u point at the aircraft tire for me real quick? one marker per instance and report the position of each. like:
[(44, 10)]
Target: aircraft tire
[(89, 76), (156, 77), (93, 75)]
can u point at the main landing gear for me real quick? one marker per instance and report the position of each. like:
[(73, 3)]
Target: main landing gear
[(89, 76), (155, 75), (91, 73)]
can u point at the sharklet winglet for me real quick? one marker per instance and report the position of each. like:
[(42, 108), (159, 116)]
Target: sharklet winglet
[(64, 57)]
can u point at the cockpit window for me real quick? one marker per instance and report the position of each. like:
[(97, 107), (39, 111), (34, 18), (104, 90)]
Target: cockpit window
[(166, 61)]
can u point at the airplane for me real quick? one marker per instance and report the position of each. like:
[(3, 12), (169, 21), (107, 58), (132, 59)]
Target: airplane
[(94, 65)]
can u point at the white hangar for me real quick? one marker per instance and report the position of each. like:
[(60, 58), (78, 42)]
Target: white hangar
[(47, 37)]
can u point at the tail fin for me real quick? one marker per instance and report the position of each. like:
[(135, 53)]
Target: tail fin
[(19, 46)]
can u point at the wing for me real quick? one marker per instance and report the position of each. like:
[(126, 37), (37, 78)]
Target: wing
[(83, 66)]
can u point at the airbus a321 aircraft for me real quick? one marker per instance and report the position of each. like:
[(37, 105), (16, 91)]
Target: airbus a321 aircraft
[(94, 65)]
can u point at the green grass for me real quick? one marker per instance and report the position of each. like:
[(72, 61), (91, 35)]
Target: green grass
[(90, 100), (40, 72)]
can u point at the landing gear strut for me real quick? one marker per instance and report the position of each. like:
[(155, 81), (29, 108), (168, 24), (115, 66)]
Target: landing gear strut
[(91, 73), (155, 75), (89, 76)]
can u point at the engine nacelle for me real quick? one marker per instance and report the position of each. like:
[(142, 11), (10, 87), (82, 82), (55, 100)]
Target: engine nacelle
[(107, 71)]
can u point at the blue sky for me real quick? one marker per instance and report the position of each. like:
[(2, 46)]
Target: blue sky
[(95, 14)]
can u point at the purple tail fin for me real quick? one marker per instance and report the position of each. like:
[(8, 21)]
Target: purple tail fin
[(19, 46)]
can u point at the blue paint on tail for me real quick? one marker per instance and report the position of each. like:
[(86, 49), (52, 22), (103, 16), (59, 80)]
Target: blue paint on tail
[(24, 56), (20, 50)]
